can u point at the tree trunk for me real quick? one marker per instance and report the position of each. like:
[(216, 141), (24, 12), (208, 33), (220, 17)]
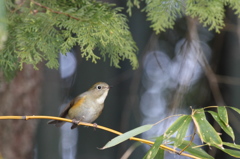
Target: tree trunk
[(19, 97)]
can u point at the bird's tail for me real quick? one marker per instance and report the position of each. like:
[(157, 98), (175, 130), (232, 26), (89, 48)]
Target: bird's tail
[(57, 123)]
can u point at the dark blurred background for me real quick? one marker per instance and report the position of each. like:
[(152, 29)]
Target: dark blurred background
[(182, 67)]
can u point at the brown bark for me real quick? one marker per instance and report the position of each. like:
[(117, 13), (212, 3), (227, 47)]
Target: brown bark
[(19, 97)]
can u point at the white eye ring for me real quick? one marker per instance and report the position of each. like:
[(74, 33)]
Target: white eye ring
[(99, 87)]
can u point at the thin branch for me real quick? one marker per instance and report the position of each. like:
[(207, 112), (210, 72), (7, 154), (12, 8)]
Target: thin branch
[(98, 126), (228, 80), (213, 82), (190, 142), (212, 78), (158, 62), (130, 150), (167, 118), (210, 107), (53, 11)]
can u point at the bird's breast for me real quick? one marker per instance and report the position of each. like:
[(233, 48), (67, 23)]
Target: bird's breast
[(87, 111)]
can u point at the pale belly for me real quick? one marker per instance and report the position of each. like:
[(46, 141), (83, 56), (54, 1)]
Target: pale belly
[(85, 114)]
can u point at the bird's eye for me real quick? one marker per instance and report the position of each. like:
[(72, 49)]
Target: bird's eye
[(99, 87)]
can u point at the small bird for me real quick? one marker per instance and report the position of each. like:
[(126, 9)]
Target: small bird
[(86, 107)]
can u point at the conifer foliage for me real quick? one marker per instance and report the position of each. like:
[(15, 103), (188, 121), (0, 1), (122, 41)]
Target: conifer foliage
[(39, 30), (164, 13)]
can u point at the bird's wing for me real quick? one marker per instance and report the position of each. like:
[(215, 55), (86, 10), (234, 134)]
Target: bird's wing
[(64, 113)]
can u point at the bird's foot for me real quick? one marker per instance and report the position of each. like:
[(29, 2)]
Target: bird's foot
[(74, 121), (95, 126)]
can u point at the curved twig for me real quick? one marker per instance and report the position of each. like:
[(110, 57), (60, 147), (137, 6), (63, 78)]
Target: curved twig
[(94, 125)]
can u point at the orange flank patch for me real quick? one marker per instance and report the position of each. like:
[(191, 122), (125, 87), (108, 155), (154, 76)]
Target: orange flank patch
[(78, 102)]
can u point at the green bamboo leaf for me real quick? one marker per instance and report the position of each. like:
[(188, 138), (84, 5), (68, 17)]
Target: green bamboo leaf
[(182, 131), (193, 149), (205, 130), (153, 151), (231, 152), (127, 135), (226, 128), (222, 113), (233, 145), (160, 154), (175, 126), (236, 109)]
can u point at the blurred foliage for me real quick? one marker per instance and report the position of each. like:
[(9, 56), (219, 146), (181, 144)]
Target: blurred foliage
[(3, 25), (39, 30), (163, 13)]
